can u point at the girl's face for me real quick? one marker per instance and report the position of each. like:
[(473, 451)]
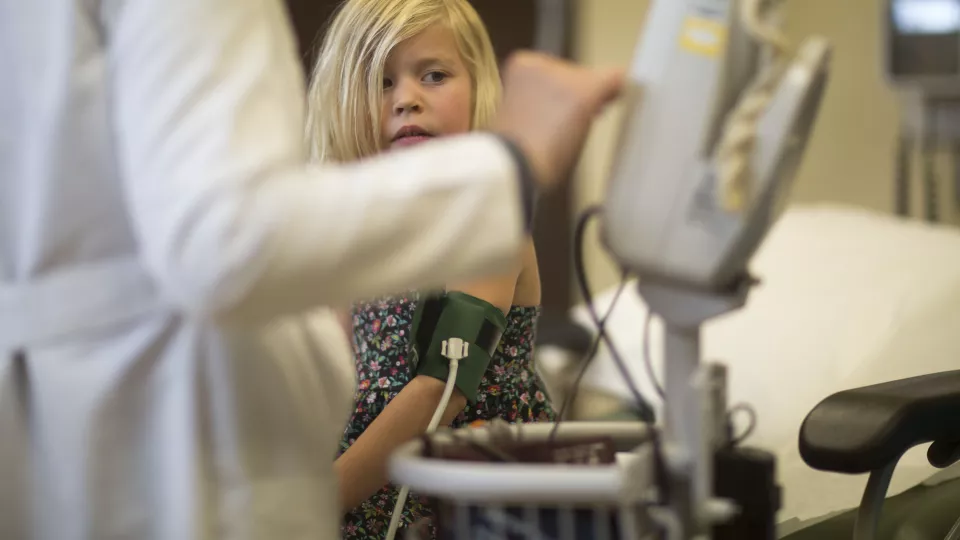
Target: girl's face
[(427, 90)]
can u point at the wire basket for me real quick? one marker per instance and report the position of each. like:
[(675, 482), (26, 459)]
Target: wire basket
[(477, 500)]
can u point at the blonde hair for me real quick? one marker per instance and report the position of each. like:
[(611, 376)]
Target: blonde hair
[(345, 94)]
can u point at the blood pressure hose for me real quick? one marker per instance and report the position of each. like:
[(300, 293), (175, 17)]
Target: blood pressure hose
[(454, 350)]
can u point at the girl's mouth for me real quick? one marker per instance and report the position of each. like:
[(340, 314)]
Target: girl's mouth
[(410, 135)]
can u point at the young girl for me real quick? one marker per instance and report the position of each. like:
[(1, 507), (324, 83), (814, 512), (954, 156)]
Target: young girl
[(394, 73)]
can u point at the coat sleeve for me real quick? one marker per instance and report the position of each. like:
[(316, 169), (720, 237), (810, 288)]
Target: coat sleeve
[(208, 120)]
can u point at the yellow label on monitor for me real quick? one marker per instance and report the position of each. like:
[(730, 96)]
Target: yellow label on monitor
[(703, 36)]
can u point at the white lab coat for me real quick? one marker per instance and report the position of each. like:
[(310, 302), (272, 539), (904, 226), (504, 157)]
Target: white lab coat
[(161, 247)]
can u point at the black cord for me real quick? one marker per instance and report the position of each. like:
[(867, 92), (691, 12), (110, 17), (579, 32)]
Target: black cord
[(932, 198), (568, 399), (751, 413), (645, 410), (902, 179), (931, 183)]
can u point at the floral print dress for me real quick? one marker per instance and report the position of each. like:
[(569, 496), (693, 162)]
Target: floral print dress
[(510, 390)]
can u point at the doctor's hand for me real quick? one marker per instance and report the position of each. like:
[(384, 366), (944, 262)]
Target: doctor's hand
[(548, 107)]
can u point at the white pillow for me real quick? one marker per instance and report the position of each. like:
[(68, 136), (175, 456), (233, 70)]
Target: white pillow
[(847, 298)]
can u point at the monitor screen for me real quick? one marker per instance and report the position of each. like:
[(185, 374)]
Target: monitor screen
[(926, 16)]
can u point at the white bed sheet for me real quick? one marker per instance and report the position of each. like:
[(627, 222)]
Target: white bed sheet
[(848, 298)]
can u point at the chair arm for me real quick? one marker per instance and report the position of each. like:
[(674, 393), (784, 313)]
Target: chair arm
[(866, 429)]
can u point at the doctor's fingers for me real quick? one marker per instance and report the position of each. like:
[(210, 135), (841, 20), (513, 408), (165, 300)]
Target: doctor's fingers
[(586, 90), (548, 107)]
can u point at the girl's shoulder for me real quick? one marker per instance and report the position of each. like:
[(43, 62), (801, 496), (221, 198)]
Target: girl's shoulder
[(383, 320), (523, 313), (528, 290), (386, 304), (397, 310)]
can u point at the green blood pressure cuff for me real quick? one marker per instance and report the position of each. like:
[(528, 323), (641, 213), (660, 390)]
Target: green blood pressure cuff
[(457, 315)]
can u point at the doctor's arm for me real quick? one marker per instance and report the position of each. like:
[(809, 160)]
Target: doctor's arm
[(208, 104)]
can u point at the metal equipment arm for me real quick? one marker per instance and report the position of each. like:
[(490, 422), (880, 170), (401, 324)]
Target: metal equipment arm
[(720, 109)]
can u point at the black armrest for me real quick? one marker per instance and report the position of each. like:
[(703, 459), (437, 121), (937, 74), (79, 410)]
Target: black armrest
[(866, 429), (559, 330)]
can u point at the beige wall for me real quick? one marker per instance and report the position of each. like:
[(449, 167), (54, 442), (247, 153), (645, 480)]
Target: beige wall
[(849, 159), (606, 32)]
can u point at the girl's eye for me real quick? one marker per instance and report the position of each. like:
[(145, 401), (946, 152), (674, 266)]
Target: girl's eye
[(435, 77), (387, 83)]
